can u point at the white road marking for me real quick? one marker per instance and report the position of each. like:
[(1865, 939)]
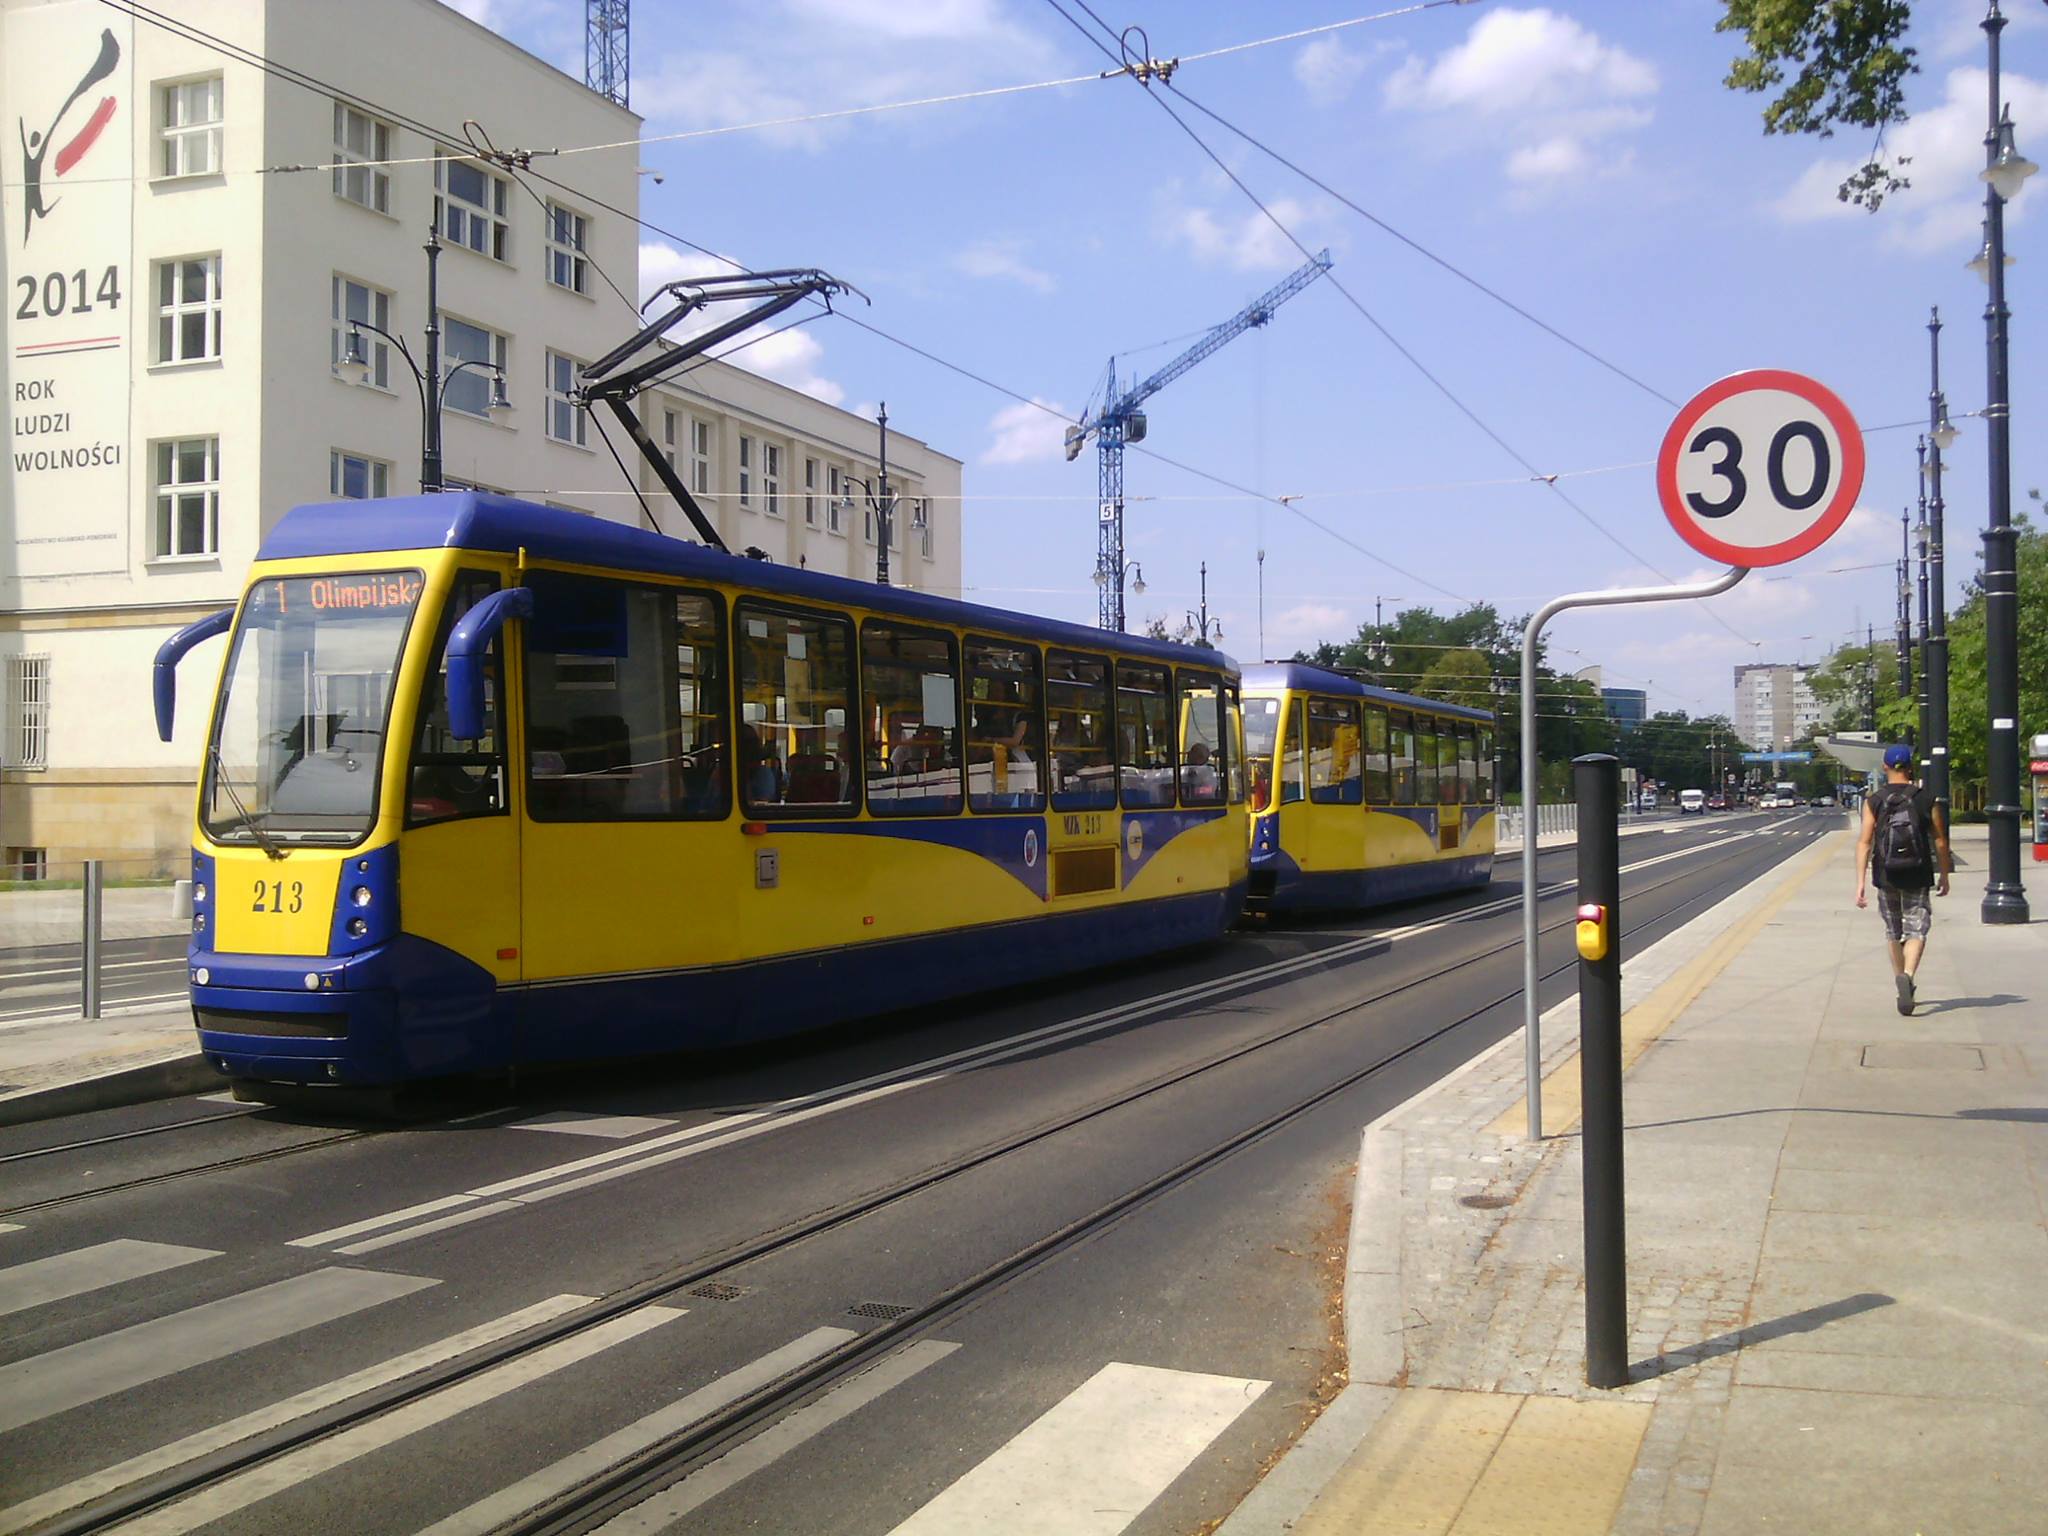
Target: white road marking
[(621, 1162), (488, 1514), (64, 1275), (1092, 1463), (21, 1517), (10, 1226), (775, 1442), (162, 962), (219, 1098), (438, 1224), (79, 1373), (370, 1224), (577, 1122), (309, 1461)]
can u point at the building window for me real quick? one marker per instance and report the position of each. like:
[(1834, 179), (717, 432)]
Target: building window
[(354, 477), (190, 131), (867, 524), (771, 479), (359, 304), (470, 390), (746, 471), (567, 420), (361, 138), (811, 492), (567, 266), (700, 456), (28, 721), (668, 437), (837, 495), (188, 309), (469, 207), (187, 498), (26, 864), (921, 524)]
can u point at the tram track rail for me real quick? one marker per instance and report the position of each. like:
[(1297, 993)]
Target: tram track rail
[(639, 1476)]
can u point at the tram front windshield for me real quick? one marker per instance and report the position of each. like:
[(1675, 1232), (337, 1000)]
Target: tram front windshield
[(298, 739)]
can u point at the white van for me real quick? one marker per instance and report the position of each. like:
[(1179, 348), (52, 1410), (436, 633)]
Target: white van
[(1692, 802)]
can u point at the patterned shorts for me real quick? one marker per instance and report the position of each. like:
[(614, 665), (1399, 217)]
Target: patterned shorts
[(1907, 914)]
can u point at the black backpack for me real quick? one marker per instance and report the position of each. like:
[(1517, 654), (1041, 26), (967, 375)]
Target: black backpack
[(1902, 854)]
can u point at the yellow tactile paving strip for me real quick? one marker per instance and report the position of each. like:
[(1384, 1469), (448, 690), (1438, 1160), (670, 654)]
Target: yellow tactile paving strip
[(1484, 1464), (1654, 1014)]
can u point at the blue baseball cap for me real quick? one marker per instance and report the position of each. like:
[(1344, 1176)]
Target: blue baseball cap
[(1898, 757)]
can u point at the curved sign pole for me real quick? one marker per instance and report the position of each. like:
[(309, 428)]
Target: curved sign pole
[(1550, 610)]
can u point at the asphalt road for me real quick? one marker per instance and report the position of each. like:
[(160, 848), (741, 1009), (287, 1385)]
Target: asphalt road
[(1072, 1286), (42, 981)]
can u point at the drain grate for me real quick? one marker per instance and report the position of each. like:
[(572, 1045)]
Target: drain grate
[(1486, 1202), (718, 1290), (881, 1311)]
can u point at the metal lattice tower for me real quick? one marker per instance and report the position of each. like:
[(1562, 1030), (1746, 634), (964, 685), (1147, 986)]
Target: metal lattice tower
[(1120, 422), (607, 48)]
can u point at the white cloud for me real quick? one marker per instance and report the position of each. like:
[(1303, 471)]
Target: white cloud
[(1328, 70), (1544, 84), (1003, 259), (661, 263), (1944, 145), (1027, 434), (1249, 242), (478, 11)]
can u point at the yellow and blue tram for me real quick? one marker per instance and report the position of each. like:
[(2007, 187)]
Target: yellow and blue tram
[(1361, 795), (489, 783)]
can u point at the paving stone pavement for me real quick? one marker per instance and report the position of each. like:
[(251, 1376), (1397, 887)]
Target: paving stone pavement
[(1837, 1223)]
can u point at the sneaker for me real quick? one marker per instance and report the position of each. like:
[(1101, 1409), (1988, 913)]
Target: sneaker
[(1905, 985)]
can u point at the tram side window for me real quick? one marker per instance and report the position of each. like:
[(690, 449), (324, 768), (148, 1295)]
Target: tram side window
[(453, 779), (1005, 730), (603, 721), (1485, 791), (1144, 734), (1333, 766), (1379, 786), (1401, 728), (796, 732), (1425, 760), (703, 705), (1079, 727), (1233, 744), (910, 685), (1293, 773), (1468, 767), (1203, 759)]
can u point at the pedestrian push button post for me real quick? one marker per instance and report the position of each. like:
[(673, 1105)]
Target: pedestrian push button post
[(1592, 931)]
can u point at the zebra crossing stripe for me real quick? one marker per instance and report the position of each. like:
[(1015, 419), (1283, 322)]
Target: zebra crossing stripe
[(289, 1471), (1094, 1461), (33, 1512), (64, 1275), (488, 1514), (81, 1373), (775, 1442)]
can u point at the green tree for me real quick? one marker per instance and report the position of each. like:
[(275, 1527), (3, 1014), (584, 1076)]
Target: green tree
[(1847, 68), (1969, 721)]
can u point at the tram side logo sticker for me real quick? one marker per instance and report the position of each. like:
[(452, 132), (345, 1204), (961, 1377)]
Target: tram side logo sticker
[(1760, 468)]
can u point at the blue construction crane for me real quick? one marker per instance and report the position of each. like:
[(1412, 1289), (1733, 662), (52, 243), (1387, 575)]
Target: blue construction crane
[(1120, 422)]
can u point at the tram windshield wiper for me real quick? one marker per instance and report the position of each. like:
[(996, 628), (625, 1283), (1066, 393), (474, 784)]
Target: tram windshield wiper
[(220, 776)]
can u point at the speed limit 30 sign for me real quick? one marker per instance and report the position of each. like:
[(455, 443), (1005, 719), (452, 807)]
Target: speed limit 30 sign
[(1760, 468)]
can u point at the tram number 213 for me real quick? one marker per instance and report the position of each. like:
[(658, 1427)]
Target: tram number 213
[(281, 896)]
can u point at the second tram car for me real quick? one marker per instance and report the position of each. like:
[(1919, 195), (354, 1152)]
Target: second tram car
[(1360, 795), (489, 783)]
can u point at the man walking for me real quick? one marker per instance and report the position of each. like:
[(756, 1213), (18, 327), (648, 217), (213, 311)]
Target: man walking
[(1904, 848)]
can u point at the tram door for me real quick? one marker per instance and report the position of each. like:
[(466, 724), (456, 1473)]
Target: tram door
[(459, 852)]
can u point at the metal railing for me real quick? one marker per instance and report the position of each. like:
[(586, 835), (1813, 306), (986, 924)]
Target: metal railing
[(59, 918), (1550, 820)]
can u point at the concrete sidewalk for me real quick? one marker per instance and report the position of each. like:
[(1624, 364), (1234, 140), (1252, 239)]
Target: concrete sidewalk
[(66, 1066), (1836, 1244)]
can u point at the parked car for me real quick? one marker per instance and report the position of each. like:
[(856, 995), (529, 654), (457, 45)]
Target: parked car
[(1821, 801), (1717, 802)]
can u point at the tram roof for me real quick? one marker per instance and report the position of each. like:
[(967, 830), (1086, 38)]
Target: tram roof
[(480, 520), (1300, 677)]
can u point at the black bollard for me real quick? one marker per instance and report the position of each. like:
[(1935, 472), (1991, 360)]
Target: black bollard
[(1597, 779)]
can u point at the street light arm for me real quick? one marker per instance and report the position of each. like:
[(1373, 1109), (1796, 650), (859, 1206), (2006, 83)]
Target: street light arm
[(418, 378)]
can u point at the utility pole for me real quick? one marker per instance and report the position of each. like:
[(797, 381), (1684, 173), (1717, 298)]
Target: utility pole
[(883, 501), (1905, 623), (1920, 531), (1198, 629), (1940, 434), (1870, 677)]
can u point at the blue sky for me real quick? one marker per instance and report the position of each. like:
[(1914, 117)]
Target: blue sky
[(1582, 159)]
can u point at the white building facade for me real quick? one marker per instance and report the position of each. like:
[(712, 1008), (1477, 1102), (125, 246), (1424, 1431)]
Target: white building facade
[(188, 240), (1775, 709)]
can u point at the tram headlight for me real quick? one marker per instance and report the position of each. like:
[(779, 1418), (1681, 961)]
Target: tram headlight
[(312, 981), (202, 976), (357, 927), (199, 891), (199, 922), (360, 895)]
